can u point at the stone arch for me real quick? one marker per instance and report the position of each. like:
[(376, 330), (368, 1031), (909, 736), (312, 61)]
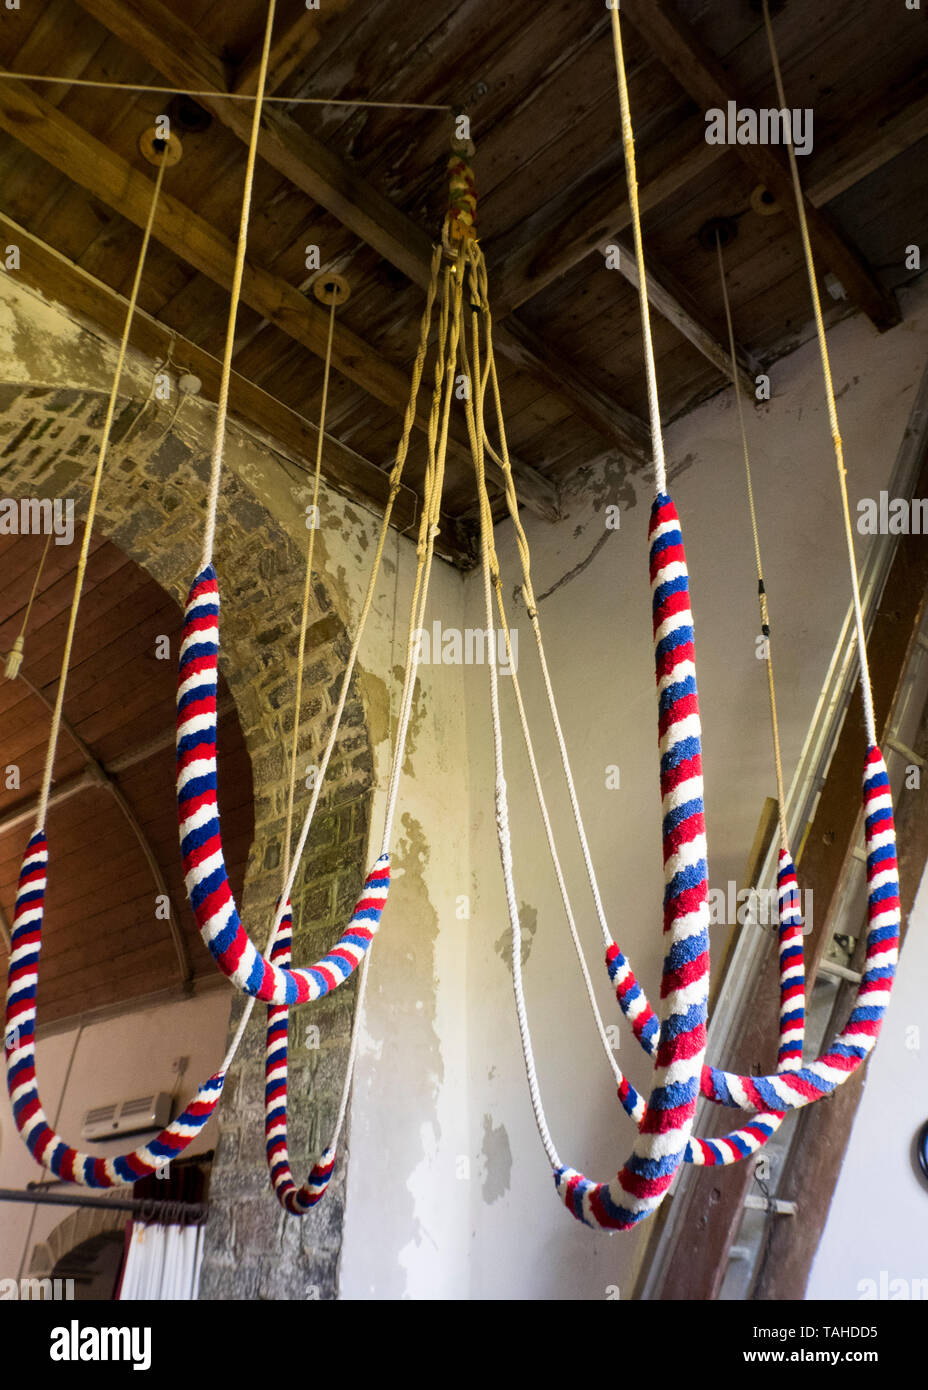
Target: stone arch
[(151, 506), (91, 1240)]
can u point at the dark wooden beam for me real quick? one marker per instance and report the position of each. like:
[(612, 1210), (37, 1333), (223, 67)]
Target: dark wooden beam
[(89, 162), (563, 239), (100, 776), (516, 341), (674, 302), (289, 48), (319, 172), (566, 234), (703, 76), (559, 237), (165, 34), (282, 428), (713, 1201), (873, 142), (94, 777)]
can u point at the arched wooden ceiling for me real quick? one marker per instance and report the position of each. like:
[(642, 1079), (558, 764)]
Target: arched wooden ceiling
[(103, 942)]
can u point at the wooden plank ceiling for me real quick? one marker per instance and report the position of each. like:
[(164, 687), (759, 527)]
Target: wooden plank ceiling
[(367, 185), (102, 942)]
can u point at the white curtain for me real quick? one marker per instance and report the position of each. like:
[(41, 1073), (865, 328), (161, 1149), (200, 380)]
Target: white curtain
[(162, 1262)]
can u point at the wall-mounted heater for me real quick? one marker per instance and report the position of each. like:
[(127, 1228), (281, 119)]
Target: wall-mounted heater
[(127, 1117)]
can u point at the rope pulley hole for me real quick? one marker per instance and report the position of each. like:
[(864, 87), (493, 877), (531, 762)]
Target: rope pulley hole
[(331, 289), (158, 150), (717, 230), (763, 201)]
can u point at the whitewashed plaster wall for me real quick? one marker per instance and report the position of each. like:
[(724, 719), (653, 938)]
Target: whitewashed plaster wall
[(595, 614), (449, 1193)]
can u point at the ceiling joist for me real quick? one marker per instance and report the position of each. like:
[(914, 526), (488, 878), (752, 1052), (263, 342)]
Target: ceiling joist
[(289, 49), (704, 78), (546, 244), (95, 167), (317, 171)]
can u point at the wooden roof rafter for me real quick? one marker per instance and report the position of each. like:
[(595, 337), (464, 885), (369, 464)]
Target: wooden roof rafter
[(368, 188), (322, 175), (289, 49), (701, 74), (89, 162)]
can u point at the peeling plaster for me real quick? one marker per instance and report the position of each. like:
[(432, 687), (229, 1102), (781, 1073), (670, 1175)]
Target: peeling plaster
[(405, 981), (418, 717), (377, 700), (48, 347), (497, 1157), (528, 919), (263, 546)]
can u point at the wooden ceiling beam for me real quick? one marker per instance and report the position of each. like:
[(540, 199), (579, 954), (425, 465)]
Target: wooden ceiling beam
[(300, 158), (559, 238), (322, 175), (348, 472), (289, 48), (90, 163), (524, 348), (101, 777), (161, 35), (563, 241), (678, 307), (91, 778), (702, 75), (564, 237), (870, 149), (568, 234)]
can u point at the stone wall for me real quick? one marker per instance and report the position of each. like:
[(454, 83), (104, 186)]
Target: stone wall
[(151, 506)]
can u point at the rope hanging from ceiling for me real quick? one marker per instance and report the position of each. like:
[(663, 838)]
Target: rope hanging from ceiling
[(43, 1141), (677, 1040), (299, 1200), (205, 874)]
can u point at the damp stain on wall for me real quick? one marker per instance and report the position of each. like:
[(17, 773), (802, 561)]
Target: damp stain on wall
[(497, 1161), (417, 718), (377, 703), (608, 484), (528, 920)]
